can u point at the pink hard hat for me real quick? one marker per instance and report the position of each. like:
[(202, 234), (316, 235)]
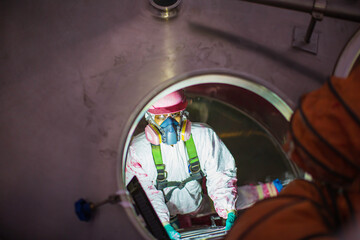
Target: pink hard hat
[(171, 103)]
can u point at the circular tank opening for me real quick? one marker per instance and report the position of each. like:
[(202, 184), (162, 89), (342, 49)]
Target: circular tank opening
[(165, 4), (349, 57), (249, 117)]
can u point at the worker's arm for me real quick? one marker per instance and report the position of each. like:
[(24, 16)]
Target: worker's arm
[(219, 166)]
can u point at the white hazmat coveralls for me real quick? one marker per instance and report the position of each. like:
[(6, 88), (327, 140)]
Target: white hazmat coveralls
[(216, 162)]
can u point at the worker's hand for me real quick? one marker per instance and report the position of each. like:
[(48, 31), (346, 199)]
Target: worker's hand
[(173, 234), (231, 217)]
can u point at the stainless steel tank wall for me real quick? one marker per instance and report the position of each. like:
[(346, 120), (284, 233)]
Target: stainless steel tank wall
[(349, 57), (72, 72)]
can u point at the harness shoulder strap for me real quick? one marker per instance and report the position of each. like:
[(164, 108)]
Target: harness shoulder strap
[(160, 167), (193, 157), (194, 168)]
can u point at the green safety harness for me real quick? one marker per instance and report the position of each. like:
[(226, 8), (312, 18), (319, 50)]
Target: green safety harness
[(194, 168)]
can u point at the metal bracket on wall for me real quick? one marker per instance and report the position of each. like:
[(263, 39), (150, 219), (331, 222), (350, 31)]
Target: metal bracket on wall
[(307, 40)]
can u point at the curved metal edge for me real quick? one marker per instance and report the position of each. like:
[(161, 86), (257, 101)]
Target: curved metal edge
[(249, 82), (334, 9), (176, 4), (348, 56)]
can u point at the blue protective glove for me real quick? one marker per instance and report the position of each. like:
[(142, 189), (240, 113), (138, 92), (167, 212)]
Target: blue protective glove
[(231, 217), (173, 234), (278, 185)]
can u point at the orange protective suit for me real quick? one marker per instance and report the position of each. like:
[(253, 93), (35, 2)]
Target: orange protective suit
[(325, 142)]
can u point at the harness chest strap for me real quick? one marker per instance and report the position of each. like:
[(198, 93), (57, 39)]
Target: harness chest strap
[(194, 165)]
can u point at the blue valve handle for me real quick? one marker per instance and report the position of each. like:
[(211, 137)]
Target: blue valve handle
[(84, 210)]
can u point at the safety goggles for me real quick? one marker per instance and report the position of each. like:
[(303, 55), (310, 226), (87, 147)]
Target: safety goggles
[(163, 117)]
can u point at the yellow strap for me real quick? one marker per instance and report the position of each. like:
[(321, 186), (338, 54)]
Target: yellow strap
[(260, 192), (272, 190)]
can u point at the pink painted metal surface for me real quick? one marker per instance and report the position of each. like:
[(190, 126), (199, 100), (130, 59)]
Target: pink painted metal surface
[(73, 72)]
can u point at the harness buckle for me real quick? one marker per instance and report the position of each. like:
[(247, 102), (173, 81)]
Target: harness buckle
[(199, 175), (160, 185), (181, 186), (195, 168), (162, 176)]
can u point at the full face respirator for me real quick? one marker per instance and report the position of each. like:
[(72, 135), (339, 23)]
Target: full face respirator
[(169, 131)]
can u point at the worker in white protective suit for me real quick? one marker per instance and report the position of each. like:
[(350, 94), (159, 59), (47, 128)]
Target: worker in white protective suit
[(173, 155)]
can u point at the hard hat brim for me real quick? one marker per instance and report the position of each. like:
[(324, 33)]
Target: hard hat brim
[(171, 109)]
